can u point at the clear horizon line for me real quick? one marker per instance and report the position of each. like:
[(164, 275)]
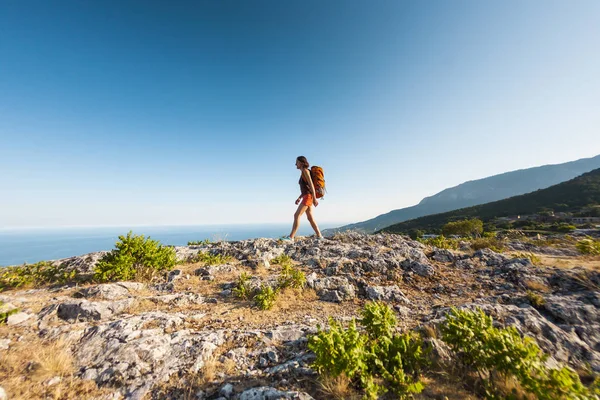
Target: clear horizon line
[(15, 228)]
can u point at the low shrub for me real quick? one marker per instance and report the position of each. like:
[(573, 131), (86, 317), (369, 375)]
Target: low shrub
[(487, 243), (265, 297), (535, 260), (38, 274), (135, 257), (282, 260), (211, 259), (378, 319), (199, 242), (589, 246), (442, 242), (564, 227), (292, 278), (242, 289), (379, 361), (502, 352)]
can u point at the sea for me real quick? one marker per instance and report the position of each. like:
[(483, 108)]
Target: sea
[(20, 246)]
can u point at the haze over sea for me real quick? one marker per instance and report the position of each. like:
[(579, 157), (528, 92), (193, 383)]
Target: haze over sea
[(33, 245)]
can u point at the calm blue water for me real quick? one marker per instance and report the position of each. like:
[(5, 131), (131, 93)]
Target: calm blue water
[(33, 245)]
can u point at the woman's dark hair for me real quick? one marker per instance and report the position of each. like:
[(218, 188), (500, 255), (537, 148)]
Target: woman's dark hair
[(303, 161)]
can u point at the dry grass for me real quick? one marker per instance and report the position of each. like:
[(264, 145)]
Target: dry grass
[(511, 385), (429, 331), (27, 366), (592, 263), (537, 286), (337, 388), (229, 366), (54, 359), (444, 387), (208, 372), (140, 306), (583, 280), (207, 377)]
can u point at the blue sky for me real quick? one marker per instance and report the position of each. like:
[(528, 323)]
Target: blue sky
[(193, 112)]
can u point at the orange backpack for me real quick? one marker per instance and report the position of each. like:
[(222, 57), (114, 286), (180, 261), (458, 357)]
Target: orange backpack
[(318, 178)]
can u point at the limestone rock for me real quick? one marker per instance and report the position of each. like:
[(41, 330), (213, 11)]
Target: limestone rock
[(111, 291), (84, 310), (386, 293)]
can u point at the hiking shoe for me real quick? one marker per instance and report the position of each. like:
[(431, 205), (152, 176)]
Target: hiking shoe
[(320, 238), (287, 239)]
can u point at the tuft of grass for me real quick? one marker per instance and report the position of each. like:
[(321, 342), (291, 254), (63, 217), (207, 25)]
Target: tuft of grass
[(487, 243), (54, 359), (535, 260), (429, 331), (535, 299), (338, 387), (209, 370), (536, 286), (211, 259)]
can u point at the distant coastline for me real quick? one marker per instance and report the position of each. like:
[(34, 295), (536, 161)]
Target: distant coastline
[(30, 245)]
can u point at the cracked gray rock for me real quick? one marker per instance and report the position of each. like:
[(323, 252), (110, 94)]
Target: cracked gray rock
[(84, 310)]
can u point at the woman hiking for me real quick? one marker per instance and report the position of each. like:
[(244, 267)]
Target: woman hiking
[(307, 198)]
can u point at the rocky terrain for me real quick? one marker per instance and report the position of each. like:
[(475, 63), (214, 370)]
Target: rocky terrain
[(187, 336)]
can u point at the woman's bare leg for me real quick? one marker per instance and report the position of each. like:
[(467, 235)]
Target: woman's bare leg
[(312, 221), (301, 209)]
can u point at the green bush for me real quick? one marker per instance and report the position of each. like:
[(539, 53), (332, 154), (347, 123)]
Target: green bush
[(134, 257), (564, 227), (38, 274), (441, 242), (535, 260), (415, 234), (211, 259), (340, 350), (466, 227), (282, 260), (492, 351), (242, 289), (378, 319), (398, 359), (378, 362), (265, 297), (199, 242), (588, 246), (291, 277), (489, 243)]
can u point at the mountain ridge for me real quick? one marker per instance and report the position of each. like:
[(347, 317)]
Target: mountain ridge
[(480, 191), (575, 193)]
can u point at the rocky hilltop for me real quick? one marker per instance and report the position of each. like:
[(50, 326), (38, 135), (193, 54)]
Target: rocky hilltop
[(191, 335)]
